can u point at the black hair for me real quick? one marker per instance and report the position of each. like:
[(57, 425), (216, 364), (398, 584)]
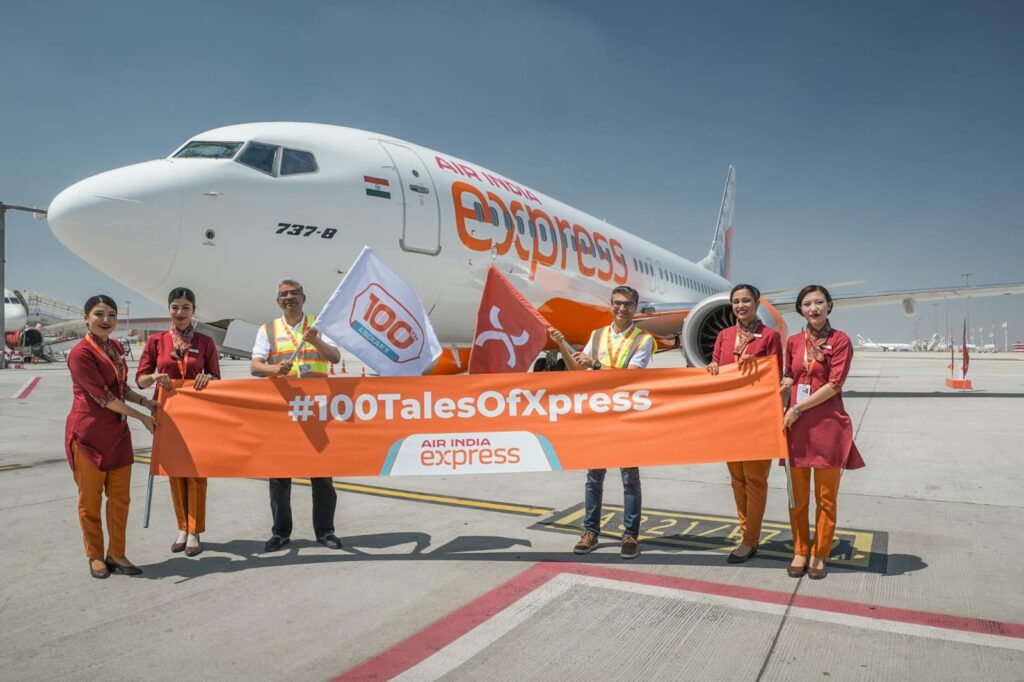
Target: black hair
[(96, 300), (181, 292), (754, 291), (809, 289), (627, 291)]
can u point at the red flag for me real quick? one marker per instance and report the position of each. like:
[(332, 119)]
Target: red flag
[(967, 356), (509, 331)]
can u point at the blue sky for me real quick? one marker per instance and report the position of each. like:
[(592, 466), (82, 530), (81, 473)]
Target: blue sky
[(873, 141)]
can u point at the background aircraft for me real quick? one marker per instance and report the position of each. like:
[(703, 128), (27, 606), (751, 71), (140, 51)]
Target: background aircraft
[(14, 312), (235, 209), (868, 344)]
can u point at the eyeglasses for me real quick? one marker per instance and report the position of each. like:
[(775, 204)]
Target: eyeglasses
[(290, 294), (623, 304)]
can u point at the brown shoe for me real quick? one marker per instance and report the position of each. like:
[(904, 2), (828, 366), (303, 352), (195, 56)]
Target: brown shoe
[(735, 558), (194, 551), (101, 573), (630, 547), (796, 571), (816, 573), (587, 543), (178, 547)]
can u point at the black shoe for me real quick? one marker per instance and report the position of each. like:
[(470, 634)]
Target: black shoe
[(130, 569), (275, 543), (330, 541), (735, 558)]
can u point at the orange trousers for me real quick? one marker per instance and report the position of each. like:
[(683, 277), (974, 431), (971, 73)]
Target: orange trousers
[(750, 488), (826, 489), (91, 484), (189, 497)]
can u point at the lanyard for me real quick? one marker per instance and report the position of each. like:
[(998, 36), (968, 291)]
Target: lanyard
[(624, 342), (121, 373), (288, 329)]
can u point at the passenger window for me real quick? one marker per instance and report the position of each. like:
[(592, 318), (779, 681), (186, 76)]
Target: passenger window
[(479, 210), (519, 224), (533, 229), (294, 161), (494, 216), (198, 149), (565, 241), (508, 220), (543, 233), (259, 156)]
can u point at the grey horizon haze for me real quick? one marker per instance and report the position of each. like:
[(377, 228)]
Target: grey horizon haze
[(874, 141)]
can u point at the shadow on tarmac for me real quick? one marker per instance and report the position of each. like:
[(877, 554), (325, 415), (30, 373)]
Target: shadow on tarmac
[(244, 555)]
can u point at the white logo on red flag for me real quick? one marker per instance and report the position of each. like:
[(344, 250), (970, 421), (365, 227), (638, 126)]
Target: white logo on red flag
[(509, 331)]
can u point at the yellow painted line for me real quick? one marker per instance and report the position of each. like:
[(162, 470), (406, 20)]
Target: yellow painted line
[(13, 467)]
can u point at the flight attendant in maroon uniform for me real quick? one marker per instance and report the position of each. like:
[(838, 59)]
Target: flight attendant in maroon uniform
[(182, 353), (741, 343), (96, 437), (818, 359)]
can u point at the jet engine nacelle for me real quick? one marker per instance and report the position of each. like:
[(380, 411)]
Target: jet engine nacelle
[(707, 318)]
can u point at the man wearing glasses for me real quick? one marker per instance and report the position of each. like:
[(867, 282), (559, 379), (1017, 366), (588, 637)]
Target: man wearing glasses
[(272, 356), (621, 345)]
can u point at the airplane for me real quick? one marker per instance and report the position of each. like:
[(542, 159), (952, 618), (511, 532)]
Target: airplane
[(15, 314), (235, 209), (868, 344)]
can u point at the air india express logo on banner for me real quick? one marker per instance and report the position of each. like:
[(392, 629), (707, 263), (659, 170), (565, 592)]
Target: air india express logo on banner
[(386, 324), (487, 452)]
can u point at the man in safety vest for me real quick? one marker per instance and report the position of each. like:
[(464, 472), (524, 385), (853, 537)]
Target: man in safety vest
[(621, 345), (276, 342)]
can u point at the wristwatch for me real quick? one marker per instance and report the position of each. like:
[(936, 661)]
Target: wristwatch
[(597, 365)]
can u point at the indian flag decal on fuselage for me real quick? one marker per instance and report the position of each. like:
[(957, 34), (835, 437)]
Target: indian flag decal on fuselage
[(377, 187)]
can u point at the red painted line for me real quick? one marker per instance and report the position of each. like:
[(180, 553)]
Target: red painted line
[(375, 181), (443, 632), (447, 629), (28, 389)]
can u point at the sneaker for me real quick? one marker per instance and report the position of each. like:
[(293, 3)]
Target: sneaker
[(630, 547), (275, 543), (587, 543), (330, 541)]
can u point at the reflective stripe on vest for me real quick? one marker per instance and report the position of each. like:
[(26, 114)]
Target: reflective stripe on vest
[(282, 347), (632, 342)]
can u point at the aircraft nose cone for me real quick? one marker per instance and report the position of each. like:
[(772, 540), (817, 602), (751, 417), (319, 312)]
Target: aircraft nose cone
[(125, 222)]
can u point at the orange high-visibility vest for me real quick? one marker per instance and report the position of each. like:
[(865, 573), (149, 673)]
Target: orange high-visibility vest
[(621, 351), (282, 346)]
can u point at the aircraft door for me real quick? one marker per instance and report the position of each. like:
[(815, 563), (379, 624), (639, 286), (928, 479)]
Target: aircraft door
[(421, 230)]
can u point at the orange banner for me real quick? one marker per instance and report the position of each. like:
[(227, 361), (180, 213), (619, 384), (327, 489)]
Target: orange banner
[(468, 424)]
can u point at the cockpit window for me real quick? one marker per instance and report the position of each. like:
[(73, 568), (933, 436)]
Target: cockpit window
[(199, 149), (259, 156), (294, 161)]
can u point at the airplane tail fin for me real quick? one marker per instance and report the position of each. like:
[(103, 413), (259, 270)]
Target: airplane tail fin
[(860, 340), (719, 258)]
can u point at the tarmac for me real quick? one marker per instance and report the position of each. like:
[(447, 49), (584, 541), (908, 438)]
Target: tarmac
[(470, 577)]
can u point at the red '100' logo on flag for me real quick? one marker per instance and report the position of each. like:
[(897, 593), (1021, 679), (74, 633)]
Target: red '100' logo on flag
[(386, 324)]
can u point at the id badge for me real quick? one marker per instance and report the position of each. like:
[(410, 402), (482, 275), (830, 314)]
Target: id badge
[(305, 369), (803, 392)]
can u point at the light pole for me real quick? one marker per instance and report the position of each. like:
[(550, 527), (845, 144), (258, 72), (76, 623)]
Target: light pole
[(1006, 339), (128, 323), (3, 260)]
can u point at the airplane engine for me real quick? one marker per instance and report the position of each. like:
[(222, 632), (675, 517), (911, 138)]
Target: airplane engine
[(710, 316)]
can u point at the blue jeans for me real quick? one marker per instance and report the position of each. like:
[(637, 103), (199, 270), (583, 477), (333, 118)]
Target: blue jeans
[(630, 491)]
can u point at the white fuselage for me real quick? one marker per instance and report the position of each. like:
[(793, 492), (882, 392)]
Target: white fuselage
[(231, 232), (14, 312)]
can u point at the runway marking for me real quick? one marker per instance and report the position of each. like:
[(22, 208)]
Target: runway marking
[(449, 642), (25, 389), (854, 548), (13, 467)]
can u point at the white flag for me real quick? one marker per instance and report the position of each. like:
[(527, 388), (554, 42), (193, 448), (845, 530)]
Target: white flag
[(378, 317)]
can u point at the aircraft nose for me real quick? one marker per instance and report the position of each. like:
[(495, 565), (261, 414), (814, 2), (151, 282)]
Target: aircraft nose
[(125, 222)]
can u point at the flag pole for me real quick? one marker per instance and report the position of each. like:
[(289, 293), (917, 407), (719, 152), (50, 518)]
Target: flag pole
[(789, 472)]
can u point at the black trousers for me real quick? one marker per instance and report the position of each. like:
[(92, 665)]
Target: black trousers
[(325, 500)]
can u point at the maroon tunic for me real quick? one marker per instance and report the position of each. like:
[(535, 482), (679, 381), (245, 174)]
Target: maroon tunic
[(768, 343), (202, 356), (822, 437), (102, 435)]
